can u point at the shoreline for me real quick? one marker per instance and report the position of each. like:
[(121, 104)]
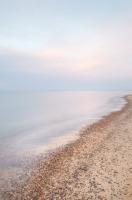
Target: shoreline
[(45, 181)]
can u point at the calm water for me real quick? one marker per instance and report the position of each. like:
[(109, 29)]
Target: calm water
[(31, 123)]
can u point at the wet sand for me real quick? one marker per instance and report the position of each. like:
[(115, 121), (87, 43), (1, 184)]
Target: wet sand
[(96, 166)]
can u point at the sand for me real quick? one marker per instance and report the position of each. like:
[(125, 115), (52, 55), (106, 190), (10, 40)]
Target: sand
[(96, 166)]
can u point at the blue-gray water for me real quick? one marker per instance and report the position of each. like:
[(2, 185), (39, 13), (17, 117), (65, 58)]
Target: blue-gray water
[(32, 123), (29, 121)]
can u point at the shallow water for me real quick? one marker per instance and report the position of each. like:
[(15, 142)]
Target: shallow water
[(31, 123)]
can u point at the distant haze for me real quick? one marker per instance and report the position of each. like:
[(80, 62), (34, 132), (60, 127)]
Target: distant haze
[(65, 44)]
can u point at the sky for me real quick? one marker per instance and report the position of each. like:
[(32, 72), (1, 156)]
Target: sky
[(65, 45)]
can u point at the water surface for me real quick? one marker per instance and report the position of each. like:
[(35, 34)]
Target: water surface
[(34, 123)]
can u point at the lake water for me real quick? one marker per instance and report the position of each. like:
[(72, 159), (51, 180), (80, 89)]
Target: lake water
[(32, 124)]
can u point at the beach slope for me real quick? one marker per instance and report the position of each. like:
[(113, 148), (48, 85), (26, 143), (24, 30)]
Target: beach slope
[(97, 166)]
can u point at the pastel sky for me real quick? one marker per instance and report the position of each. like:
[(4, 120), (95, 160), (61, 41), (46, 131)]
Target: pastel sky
[(65, 44)]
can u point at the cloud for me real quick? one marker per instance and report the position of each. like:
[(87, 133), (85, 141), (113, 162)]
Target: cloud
[(93, 55), (58, 61)]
